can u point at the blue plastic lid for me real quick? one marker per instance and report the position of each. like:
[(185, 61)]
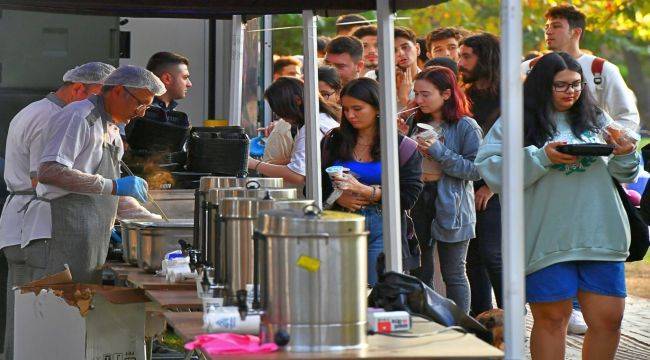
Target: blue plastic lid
[(174, 255)]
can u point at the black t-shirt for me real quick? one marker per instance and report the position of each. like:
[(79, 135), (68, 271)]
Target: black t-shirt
[(486, 107)]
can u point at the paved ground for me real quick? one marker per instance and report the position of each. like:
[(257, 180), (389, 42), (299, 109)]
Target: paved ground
[(635, 338)]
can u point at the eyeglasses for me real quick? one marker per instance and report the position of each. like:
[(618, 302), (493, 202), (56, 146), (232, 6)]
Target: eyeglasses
[(564, 87), (326, 95), (142, 107)]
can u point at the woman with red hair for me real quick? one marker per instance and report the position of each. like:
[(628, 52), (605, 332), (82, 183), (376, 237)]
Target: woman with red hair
[(444, 213)]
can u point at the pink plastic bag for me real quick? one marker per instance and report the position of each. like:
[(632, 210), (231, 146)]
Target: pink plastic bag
[(229, 344)]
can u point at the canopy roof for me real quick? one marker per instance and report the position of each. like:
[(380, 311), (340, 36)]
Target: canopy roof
[(204, 8)]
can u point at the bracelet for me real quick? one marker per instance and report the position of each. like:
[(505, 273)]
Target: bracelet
[(372, 195), (257, 165)]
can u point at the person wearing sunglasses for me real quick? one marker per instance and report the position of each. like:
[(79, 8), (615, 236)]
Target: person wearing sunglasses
[(79, 190)]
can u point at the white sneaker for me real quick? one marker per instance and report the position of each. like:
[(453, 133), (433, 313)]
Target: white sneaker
[(577, 325)]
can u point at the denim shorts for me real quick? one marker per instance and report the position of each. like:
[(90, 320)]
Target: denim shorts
[(562, 281)]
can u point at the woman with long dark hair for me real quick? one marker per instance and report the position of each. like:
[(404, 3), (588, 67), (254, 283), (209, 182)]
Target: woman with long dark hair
[(577, 232), (285, 97), (445, 214), (356, 145)]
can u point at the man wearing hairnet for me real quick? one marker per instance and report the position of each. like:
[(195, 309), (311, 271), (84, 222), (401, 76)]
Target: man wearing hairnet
[(23, 150), (79, 178)]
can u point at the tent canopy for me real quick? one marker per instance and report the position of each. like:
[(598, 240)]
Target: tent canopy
[(205, 9)]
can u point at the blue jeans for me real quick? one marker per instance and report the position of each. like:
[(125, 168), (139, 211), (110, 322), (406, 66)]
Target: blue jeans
[(374, 225)]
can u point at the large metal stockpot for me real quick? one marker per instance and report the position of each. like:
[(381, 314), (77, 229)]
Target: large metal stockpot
[(238, 217), (177, 204), (159, 237), (219, 182), (213, 245), (313, 279)]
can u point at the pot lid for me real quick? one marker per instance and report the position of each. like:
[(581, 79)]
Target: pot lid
[(310, 222)]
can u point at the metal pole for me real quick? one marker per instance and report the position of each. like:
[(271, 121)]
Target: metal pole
[(312, 146), (267, 50), (512, 198), (236, 71), (392, 230)]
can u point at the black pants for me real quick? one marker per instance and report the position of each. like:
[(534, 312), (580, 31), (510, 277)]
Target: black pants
[(484, 265), (422, 214)]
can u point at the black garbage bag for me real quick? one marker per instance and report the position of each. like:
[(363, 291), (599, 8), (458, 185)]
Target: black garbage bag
[(400, 292)]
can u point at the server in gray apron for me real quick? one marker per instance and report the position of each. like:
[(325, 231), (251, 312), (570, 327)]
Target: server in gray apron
[(23, 151), (79, 182)]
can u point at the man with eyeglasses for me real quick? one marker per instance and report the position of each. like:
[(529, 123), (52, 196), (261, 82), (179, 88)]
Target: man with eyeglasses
[(23, 150), (70, 220)]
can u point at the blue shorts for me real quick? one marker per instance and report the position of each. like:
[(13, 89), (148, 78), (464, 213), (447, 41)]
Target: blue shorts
[(562, 281)]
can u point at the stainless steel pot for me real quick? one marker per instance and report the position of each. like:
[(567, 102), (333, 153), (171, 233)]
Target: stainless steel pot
[(177, 204), (238, 217), (157, 238), (219, 182), (129, 232), (313, 279), (213, 246)]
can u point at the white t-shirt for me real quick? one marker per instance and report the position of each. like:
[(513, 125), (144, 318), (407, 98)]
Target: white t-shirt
[(612, 95), (76, 143), (297, 163), (22, 156)]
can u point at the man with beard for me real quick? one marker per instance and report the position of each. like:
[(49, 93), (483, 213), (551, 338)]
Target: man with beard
[(345, 53), (479, 66), (368, 36)]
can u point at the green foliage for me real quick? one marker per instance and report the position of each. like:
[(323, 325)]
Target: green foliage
[(612, 24)]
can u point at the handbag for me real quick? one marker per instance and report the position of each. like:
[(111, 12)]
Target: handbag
[(639, 236)]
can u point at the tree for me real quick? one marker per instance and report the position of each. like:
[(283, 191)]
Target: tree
[(618, 30)]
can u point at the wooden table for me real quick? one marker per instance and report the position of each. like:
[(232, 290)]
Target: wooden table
[(176, 300), (135, 277), (447, 345)]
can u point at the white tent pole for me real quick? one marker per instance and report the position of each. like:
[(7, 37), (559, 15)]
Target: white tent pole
[(312, 146), (267, 51), (512, 198), (392, 230), (236, 71)]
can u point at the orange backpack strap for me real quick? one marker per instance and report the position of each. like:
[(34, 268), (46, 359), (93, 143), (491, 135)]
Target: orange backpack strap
[(597, 69), (532, 63)]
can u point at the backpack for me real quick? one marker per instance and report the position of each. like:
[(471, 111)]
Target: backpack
[(596, 68)]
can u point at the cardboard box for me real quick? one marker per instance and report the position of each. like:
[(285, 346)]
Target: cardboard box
[(65, 320)]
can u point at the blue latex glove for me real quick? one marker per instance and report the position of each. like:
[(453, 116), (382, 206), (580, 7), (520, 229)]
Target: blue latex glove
[(132, 186)]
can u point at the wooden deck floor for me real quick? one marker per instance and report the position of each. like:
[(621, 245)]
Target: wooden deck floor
[(635, 337)]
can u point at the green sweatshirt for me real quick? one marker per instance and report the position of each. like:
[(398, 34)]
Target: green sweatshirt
[(572, 212)]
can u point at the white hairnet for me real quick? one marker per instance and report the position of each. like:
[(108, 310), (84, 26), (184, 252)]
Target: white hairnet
[(136, 77), (89, 73)]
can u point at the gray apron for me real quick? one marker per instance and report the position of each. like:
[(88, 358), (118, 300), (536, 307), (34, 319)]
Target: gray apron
[(82, 223)]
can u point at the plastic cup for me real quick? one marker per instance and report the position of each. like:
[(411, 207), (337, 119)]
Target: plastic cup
[(426, 132), (336, 170)]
